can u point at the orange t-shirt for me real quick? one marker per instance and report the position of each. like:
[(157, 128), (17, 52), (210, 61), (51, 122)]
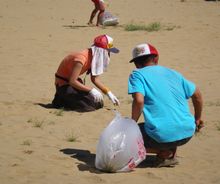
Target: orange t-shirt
[(66, 66)]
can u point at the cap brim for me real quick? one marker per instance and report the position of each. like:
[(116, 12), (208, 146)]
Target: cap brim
[(114, 50), (135, 59), (139, 57)]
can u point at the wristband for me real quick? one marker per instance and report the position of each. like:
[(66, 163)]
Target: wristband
[(105, 90)]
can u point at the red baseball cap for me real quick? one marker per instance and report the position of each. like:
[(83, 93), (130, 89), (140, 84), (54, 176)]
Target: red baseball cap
[(143, 50), (105, 42)]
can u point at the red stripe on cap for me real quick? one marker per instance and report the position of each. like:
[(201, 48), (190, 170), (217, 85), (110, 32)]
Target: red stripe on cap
[(101, 41), (152, 50)]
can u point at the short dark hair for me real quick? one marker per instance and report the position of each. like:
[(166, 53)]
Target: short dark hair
[(142, 60)]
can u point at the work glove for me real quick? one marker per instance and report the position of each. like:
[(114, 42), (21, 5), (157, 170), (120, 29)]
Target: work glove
[(96, 95), (113, 98)]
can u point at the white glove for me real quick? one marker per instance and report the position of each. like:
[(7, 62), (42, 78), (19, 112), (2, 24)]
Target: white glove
[(96, 95), (113, 98)]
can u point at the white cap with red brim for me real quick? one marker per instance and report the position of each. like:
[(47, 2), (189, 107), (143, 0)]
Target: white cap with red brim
[(142, 50)]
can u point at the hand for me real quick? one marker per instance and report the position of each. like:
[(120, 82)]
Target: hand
[(113, 98), (96, 95), (199, 125)]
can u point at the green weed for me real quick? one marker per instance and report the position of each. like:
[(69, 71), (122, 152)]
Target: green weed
[(38, 123), (27, 142), (155, 26), (71, 137), (59, 112)]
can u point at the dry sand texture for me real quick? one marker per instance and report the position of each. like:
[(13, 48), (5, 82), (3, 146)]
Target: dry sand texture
[(36, 34)]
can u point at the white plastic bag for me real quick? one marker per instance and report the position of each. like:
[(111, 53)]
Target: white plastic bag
[(108, 19), (120, 147)]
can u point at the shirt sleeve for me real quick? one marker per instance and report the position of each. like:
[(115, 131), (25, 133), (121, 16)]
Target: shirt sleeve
[(189, 87), (81, 58), (135, 83)]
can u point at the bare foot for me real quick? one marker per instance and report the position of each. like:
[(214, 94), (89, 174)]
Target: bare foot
[(90, 24)]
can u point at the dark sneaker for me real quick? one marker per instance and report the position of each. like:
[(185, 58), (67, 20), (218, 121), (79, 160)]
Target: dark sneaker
[(168, 162)]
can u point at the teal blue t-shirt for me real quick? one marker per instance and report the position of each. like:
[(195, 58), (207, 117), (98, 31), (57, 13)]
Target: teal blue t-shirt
[(166, 111)]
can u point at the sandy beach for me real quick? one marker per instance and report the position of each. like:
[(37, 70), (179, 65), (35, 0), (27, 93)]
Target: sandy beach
[(35, 35)]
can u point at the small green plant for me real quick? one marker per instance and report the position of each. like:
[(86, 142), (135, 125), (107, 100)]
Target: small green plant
[(51, 123), (170, 27), (28, 152), (218, 125), (27, 142), (59, 112), (213, 103), (155, 26), (38, 123), (70, 137), (30, 120)]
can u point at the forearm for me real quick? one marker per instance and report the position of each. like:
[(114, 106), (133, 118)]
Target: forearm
[(136, 112), (99, 84), (78, 85), (74, 82), (137, 106), (197, 104)]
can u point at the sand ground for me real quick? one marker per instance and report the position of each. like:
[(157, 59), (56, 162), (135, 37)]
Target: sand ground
[(36, 34)]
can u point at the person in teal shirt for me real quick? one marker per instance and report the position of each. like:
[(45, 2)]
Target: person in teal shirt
[(162, 95)]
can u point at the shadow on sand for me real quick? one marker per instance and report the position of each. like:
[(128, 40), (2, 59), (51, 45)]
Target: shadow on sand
[(47, 106), (75, 26), (88, 160), (84, 156)]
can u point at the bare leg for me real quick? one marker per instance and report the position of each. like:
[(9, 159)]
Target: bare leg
[(92, 16), (163, 153), (99, 17), (101, 9)]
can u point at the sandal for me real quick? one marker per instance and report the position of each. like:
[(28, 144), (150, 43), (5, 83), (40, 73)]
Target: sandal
[(168, 162)]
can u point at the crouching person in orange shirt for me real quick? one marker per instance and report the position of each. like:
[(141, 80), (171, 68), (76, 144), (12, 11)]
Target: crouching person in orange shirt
[(71, 92)]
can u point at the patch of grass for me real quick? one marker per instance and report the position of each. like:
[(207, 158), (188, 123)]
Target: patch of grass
[(218, 125), (155, 26), (27, 142), (30, 120), (51, 123), (170, 27), (216, 103), (59, 112), (38, 123), (71, 137), (28, 152)]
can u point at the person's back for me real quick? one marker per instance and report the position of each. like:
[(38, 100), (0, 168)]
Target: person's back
[(66, 66), (166, 111)]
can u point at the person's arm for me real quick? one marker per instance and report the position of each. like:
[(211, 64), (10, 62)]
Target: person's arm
[(96, 80), (137, 106), (198, 105), (104, 89), (74, 78)]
